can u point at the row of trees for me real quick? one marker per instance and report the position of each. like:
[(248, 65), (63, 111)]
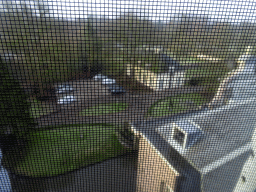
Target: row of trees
[(49, 54), (186, 35), (48, 50)]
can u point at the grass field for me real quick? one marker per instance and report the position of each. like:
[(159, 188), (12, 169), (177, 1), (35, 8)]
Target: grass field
[(56, 151), (205, 72), (38, 109), (176, 104), (104, 109)]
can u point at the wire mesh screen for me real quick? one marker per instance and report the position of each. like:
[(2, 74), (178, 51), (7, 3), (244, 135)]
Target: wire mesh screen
[(116, 96)]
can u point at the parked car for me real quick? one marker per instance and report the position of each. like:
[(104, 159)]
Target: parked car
[(99, 77), (66, 100), (65, 88), (108, 81), (116, 89)]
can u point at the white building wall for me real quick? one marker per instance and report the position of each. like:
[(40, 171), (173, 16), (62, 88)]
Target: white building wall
[(156, 81)]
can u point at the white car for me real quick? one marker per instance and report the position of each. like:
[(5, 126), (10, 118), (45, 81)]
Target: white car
[(108, 81), (99, 77), (67, 99), (66, 88)]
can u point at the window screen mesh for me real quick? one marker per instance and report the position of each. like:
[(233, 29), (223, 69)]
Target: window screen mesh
[(115, 96)]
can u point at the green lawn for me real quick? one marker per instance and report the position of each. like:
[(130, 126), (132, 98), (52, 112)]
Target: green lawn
[(176, 104), (37, 109), (56, 151), (193, 60), (103, 109), (205, 72)]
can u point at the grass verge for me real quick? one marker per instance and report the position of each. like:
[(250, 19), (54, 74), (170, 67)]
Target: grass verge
[(103, 109), (176, 104), (57, 151)]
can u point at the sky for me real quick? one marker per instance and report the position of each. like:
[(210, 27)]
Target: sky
[(157, 10)]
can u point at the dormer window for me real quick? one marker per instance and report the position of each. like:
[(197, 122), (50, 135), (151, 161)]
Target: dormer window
[(178, 135), (181, 135), (184, 134)]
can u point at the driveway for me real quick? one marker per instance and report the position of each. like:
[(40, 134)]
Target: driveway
[(90, 93)]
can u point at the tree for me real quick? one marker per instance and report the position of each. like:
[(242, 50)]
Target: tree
[(46, 52), (14, 111), (93, 46), (28, 27)]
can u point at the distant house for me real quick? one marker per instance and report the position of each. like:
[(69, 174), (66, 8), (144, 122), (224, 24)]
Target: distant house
[(171, 75)]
